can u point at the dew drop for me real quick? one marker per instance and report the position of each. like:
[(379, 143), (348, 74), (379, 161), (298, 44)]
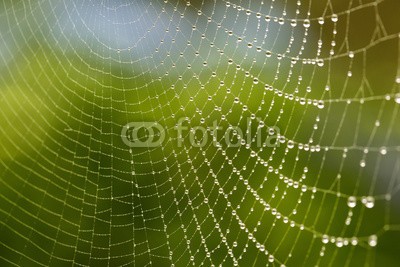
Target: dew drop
[(281, 21), (271, 131), (351, 54), (271, 258), (352, 202), (290, 144), (397, 98), (306, 23), (339, 242), (373, 240), (383, 150), (321, 20), (325, 239), (293, 23), (362, 163), (334, 18), (369, 202)]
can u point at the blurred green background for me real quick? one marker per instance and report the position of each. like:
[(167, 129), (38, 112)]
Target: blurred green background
[(73, 73)]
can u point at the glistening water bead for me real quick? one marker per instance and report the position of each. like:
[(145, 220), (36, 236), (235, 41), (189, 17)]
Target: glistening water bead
[(397, 98), (351, 202), (373, 240), (306, 23), (369, 201), (290, 144)]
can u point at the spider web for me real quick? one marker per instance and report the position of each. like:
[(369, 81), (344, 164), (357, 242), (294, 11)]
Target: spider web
[(324, 75)]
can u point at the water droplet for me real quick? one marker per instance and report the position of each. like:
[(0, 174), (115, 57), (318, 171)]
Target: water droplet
[(325, 239), (351, 54), (351, 202), (271, 258), (398, 79), (397, 98), (268, 53), (320, 62), (271, 131), (293, 23), (236, 100), (369, 202), (321, 104), (362, 163), (255, 80), (339, 242), (334, 18), (354, 241), (281, 21), (373, 240), (321, 20), (290, 144), (383, 150), (306, 23)]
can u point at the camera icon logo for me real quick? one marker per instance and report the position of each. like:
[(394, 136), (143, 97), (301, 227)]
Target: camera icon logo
[(143, 134)]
